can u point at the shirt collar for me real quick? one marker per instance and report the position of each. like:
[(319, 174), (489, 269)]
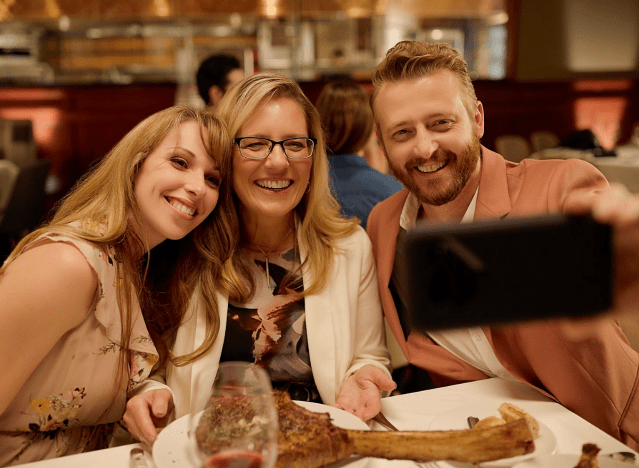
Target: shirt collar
[(408, 218)]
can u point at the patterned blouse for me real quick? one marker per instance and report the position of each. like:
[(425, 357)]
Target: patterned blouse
[(71, 401), (270, 330)]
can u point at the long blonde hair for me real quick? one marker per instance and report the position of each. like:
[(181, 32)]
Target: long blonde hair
[(97, 210), (318, 210)]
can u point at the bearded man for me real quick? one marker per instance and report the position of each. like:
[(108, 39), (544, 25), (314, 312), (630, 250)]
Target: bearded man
[(429, 123)]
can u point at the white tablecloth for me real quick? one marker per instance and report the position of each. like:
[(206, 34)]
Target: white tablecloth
[(416, 411)]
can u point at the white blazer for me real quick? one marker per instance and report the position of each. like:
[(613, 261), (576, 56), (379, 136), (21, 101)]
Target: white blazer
[(344, 323)]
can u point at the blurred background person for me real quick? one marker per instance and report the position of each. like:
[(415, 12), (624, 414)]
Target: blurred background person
[(215, 75), (348, 123)]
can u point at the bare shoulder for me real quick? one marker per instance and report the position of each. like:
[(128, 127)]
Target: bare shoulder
[(60, 260), (54, 276)]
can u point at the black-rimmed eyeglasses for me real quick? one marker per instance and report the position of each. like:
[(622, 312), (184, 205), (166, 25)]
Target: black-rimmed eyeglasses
[(260, 148)]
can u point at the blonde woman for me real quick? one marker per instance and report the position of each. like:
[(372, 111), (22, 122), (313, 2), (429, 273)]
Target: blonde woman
[(302, 299), (73, 340)]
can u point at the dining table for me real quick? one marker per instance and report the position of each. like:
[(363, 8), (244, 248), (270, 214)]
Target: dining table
[(433, 409)]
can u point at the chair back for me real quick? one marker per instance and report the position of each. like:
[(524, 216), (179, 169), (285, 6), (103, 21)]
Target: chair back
[(17, 143), (25, 208), (543, 139), (512, 147), (8, 175)]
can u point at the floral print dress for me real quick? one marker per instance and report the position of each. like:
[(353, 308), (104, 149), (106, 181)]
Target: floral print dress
[(78, 392)]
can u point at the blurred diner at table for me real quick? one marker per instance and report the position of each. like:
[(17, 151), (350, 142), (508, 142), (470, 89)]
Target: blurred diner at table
[(348, 125)]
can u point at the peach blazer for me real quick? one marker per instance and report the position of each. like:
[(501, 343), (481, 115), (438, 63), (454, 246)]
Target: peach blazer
[(597, 379)]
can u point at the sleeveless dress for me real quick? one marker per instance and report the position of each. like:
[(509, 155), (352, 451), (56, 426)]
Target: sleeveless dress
[(73, 399)]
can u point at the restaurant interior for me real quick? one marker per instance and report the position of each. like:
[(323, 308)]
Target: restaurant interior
[(76, 75)]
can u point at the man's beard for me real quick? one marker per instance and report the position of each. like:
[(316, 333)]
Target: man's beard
[(466, 162)]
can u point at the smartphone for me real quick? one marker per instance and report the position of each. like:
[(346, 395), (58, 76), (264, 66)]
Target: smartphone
[(504, 271)]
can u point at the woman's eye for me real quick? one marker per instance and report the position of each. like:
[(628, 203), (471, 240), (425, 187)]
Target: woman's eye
[(214, 181), (295, 146), (178, 161), (256, 146)]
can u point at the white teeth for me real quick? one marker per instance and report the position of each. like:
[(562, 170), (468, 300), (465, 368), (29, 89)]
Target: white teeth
[(274, 184), (430, 167), (180, 207)]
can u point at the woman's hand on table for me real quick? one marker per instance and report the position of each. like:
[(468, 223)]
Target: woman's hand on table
[(361, 392), (147, 414)]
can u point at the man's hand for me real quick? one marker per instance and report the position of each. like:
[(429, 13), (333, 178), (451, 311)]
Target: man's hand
[(147, 414), (361, 393), (619, 208)]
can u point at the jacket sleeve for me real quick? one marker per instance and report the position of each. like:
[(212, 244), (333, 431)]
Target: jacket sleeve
[(367, 320)]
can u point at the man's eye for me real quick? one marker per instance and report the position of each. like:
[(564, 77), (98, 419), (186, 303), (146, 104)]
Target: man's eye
[(401, 134), (178, 161), (442, 123)]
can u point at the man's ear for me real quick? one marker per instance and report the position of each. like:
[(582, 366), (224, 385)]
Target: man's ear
[(215, 95), (479, 120)]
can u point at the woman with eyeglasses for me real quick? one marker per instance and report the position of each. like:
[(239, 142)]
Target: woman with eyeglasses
[(303, 299)]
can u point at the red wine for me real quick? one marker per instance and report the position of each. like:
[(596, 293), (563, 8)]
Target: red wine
[(234, 459)]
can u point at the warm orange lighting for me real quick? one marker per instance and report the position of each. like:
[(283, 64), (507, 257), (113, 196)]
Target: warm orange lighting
[(162, 8), (52, 9), (270, 8), (5, 7), (602, 115)]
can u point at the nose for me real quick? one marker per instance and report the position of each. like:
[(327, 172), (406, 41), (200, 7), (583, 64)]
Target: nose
[(196, 184), (277, 159), (425, 143)]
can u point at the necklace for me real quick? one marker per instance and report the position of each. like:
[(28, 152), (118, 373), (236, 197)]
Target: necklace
[(266, 254)]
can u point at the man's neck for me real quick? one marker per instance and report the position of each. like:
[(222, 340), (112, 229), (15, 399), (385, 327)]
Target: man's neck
[(455, 209)]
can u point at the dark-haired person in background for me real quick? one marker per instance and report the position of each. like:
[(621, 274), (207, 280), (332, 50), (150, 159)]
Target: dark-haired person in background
[(215, 75), (348, 123)]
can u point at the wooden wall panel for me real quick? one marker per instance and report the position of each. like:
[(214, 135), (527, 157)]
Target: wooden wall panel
[(75, 126)]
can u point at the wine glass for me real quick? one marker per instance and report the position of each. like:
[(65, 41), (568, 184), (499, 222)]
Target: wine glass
[(237, 427)]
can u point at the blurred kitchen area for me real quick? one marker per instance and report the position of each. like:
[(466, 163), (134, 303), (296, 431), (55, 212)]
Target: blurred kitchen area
[(76, 75)]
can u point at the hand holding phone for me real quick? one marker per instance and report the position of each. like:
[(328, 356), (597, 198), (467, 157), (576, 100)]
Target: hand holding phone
[(504, 271)]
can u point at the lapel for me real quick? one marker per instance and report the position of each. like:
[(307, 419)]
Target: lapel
[(320, 332), (204, 369), (493, 198)]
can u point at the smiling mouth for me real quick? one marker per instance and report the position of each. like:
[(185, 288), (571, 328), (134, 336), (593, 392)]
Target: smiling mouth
[(181, 207), (275, 185), (433, 167)]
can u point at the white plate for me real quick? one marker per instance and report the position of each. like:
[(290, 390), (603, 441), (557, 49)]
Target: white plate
[(567, 461), (170, 449), (545, 444)]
